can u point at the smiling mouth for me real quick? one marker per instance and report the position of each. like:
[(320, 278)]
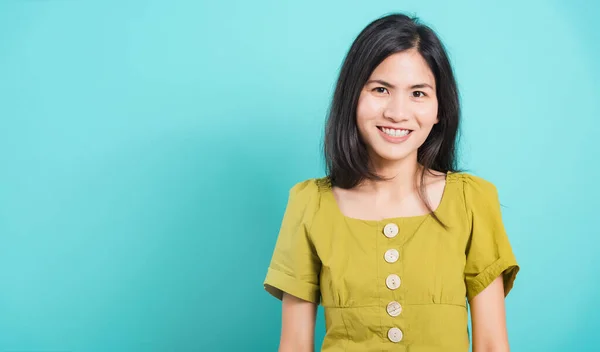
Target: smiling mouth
[(392, 132)]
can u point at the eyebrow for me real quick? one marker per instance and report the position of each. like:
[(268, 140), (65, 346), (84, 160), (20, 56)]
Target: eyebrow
[(389, 85)]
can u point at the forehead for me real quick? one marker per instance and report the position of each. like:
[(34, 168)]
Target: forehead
[(404, 68)]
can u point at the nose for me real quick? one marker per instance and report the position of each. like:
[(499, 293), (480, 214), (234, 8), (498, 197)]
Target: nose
[(397, 108)]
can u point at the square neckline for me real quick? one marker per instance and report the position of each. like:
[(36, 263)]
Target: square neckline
[(436, 211)]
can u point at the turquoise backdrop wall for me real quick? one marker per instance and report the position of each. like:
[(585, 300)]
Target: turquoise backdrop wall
[(147, 148)]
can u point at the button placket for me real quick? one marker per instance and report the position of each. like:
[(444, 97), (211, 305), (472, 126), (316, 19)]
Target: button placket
[(393, 282)]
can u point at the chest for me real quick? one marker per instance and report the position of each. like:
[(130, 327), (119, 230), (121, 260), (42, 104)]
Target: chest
[(358, 205), (414, 260)]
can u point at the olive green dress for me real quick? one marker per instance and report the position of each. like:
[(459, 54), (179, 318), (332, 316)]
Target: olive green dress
[(399, 284)]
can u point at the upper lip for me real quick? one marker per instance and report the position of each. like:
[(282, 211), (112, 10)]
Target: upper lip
[(396, 128)]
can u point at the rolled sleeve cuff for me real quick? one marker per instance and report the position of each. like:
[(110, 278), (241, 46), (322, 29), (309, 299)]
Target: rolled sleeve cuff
[(277, 282), (507, 267)]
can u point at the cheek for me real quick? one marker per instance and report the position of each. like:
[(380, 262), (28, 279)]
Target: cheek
[(427, 114), (367, 108)]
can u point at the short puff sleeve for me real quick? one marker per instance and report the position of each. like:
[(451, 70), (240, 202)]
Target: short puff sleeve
[(295, 267), (489, 253)]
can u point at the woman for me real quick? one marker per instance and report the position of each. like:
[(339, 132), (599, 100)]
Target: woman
[(394, 242)]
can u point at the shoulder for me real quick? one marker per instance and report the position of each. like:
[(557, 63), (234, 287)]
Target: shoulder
[(477, 191), (474, 185), (305, 196), (309, 188), (479, 194)]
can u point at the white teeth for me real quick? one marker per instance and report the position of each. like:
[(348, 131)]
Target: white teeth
[(395, 133)]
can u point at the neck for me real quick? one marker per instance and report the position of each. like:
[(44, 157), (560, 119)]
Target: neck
[(401, 175)]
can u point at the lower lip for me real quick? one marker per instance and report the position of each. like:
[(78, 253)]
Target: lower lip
[(391, 139)]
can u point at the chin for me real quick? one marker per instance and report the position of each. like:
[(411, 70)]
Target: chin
[(391, 157)]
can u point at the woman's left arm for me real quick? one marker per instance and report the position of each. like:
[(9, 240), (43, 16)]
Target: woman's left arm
[(488, 318)]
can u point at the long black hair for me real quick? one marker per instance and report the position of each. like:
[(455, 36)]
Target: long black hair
[(346, 156)]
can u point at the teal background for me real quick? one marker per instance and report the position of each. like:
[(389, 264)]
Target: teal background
[(147, 148)]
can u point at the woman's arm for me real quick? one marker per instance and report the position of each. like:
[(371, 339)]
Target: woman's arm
[(488, 318), (297, 325)]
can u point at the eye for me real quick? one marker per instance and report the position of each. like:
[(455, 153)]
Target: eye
[(380, 90), (422, 94)]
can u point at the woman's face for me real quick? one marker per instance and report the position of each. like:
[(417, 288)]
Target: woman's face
[(397, 107)]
